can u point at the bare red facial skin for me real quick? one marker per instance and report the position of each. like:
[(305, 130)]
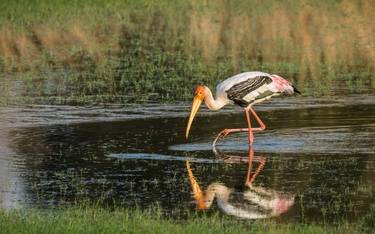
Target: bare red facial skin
[(199, 92)]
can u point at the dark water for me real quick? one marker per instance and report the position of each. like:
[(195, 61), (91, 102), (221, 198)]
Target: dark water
[(318, 156)]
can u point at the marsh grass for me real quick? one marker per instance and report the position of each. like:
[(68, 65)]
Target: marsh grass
[(92, 219), (78, 52)]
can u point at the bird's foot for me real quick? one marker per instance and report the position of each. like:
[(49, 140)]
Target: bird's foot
[(228, 131), (220, 137), (224, 133)]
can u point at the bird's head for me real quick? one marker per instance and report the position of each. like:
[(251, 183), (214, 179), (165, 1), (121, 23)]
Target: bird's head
[(199, 96), (283, 85)]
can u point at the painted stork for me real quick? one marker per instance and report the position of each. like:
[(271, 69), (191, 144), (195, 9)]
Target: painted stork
[(244, 89)]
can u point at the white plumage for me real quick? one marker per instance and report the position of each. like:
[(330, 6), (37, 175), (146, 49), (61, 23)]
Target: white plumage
[(249, 93), (244, 89), (233, 80)]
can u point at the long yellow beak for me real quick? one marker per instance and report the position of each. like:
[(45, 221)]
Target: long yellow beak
[(194, 109)]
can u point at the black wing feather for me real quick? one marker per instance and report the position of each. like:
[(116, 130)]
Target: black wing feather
[(238, 91)]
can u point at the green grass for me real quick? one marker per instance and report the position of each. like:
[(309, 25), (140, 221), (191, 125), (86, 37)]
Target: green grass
[(100, 220), (80, 52)]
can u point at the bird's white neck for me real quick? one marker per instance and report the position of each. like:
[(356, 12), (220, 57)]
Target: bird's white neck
[(211, 103)]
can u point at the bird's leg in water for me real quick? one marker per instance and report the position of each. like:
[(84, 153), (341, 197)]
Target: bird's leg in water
[(228, 131), (262, 126), (251, 135)]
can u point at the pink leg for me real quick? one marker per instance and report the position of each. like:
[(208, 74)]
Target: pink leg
[(251, 135), (261, 128), (228, 131), (260, 122)]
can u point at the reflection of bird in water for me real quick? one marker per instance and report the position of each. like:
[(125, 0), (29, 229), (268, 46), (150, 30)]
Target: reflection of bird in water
[(255, 203), (244, 89)]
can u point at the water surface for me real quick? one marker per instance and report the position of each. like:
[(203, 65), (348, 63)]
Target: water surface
[(318, 151)]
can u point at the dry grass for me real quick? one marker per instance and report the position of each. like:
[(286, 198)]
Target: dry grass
[(320, 43), (301, 32)]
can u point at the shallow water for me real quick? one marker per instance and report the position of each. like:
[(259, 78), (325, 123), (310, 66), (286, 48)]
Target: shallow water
[(318, 155)]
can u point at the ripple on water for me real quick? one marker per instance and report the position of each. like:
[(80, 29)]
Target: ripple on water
[(337, 140)]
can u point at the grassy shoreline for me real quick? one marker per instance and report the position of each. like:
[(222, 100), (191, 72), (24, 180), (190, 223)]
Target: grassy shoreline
[(79, 52), (100, 220)]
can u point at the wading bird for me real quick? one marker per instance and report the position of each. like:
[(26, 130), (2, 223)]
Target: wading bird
[(244, 89)]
